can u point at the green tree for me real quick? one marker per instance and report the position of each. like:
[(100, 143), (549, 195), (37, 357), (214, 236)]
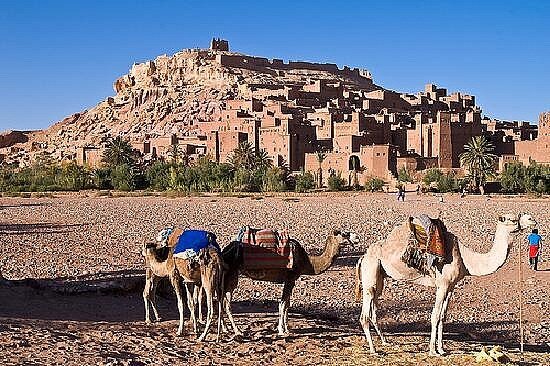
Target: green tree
[(119, 151), (123, 178), (374, 184), (158, 175), (512, 179), (403, 175), (479, 160), (336, 183), (262, 161), (74, 177), (243, 156), (304, 181), (432, 175), (276, 179)]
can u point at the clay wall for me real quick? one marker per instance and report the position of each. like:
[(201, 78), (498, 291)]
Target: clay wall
[(229, 141), (90, 156), (379, 160), (537, 150)]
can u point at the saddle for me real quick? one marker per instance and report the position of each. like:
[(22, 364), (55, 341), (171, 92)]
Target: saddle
[(191, 242), (426, 245), (265, 248)]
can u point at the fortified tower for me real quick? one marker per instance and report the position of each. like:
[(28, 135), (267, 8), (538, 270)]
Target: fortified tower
[(218, 44)]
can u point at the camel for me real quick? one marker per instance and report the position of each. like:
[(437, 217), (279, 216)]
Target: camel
[(383, 259), (208, 273), (154, 274), (304, 264)]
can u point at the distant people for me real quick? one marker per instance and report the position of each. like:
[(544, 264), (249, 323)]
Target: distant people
[(418, 191), (400, 193), (535, 248), (463, 192)]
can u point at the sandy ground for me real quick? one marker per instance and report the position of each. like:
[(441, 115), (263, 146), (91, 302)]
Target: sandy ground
[(84, 305)]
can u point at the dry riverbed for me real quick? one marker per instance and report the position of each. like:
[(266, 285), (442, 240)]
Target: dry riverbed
[(69, 244)]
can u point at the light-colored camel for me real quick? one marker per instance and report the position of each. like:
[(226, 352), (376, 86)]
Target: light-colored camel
[(208, 273), (304, 264), (383, 259)]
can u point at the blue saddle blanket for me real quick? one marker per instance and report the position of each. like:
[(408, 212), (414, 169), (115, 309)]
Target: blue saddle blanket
[(195, 240)]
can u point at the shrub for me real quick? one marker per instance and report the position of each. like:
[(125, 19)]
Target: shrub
[(432, 175), (304, 182), (374, 184), (122, 178), (447, 183), (158, 176), (403, 175), (336, 183), (275, 180)]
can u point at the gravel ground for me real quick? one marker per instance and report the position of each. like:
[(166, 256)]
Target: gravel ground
[(75, 238)]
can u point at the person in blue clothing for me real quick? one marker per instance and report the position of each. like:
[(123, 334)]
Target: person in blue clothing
[(535, 248)]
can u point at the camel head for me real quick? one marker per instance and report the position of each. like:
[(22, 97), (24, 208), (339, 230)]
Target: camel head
[(515, 223), (162, 236), (526, 221), (148, 248), (345, 237)]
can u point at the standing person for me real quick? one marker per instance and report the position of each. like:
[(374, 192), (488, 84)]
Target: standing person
[(400, 193), (535, 248)]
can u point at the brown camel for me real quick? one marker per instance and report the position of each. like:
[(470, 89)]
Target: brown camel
[(383, 259), (154, 274), (304, 264), (207, 272)]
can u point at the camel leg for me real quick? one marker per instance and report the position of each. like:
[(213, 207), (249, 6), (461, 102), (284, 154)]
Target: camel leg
[(147, 290), (153, 298), (191, 305), (284, 304), (440, 296), (366, 309), (227, 306), (174, 279), (374, 320), (210, 311), (374, 303), (440, 328), (197, 296)]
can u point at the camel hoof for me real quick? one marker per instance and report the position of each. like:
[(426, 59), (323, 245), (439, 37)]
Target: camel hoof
[(441, 352), (433, 353), (148, 322)]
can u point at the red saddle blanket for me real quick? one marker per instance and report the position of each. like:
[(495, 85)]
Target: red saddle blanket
[(266, 249)]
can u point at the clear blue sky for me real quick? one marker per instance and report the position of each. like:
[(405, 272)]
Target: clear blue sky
[(59, 57)]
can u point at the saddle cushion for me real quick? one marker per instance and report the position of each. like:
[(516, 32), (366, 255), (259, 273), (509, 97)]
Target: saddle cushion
[(265, 249), (428, 234), (192, 241)]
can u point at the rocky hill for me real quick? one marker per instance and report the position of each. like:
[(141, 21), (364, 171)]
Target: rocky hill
[(170, 94)]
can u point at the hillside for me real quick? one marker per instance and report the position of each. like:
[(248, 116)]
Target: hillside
[(171, 95)]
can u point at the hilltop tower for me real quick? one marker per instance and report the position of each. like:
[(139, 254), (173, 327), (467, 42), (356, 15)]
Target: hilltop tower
[(218, 44)]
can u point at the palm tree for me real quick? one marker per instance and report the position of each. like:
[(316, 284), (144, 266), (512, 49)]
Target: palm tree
[(479, 160), (243, 156), (321, 156), (118, 151), (262, 160), (178, 155)]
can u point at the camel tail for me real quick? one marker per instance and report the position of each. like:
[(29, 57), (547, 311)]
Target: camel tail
[(358, 280)]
